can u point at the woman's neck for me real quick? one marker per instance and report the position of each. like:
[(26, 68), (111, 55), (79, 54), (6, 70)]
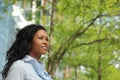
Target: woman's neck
[(36, 56)]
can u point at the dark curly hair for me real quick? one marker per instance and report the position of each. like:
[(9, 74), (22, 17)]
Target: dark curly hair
[(20, 47)]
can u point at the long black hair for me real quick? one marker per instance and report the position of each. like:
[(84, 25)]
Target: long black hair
[(20, 47)]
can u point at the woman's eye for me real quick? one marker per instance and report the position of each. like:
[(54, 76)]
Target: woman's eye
[(47, 39), (40, 37)]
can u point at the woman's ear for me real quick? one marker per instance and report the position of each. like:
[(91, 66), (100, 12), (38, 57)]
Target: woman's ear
[(28, 46)]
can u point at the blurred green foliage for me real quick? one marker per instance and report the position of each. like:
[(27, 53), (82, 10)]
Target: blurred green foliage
[(86, 38)]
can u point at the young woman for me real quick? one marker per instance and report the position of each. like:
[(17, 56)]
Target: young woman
[(23, 56)]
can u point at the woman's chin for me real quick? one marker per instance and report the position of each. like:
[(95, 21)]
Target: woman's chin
[(43, 52)]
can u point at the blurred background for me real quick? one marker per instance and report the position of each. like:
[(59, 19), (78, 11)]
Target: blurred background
[(84, 35)]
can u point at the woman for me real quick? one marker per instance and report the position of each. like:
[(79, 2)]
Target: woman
[(23, 56)]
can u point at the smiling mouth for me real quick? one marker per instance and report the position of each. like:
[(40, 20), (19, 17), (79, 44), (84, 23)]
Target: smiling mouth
[(44, 47)]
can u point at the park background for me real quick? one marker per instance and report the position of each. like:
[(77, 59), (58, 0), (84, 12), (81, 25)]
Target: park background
[(84, 35)]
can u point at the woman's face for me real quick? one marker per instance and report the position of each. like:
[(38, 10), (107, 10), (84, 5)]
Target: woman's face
[(39, 44)]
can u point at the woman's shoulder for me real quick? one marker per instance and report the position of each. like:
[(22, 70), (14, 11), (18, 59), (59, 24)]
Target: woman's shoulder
[(17, 70), (18, 64)]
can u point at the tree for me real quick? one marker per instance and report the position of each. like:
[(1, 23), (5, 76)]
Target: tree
[(74, 19), (83, 33)]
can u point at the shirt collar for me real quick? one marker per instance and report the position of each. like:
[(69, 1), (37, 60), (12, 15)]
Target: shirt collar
[(38, 66), (28, 58)]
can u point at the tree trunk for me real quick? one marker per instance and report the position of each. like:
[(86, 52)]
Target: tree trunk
[(33, 11), (23, 4), (67, 72), (99, 66), (51, 62), (99, 71), (43, 12), (76, 74)]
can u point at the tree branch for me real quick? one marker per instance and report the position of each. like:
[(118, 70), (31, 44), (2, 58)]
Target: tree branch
[(88, 43), (59, 54), (51, 34), (78, 32)]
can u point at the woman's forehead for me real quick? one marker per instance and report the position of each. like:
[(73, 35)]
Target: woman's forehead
[(41, 33)]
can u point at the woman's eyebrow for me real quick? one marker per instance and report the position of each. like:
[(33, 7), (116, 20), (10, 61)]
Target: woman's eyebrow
[(39, 35), (42, 35)]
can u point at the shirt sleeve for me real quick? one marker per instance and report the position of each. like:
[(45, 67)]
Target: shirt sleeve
[(16, 72)]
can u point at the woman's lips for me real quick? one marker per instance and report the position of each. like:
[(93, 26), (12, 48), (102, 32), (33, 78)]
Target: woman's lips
[(44, 47)]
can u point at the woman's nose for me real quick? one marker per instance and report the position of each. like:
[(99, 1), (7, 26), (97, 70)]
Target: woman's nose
[(45, 42)]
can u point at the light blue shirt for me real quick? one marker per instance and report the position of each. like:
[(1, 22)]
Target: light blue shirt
[(27, 69)]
